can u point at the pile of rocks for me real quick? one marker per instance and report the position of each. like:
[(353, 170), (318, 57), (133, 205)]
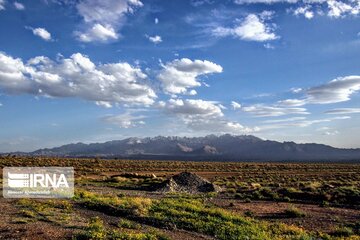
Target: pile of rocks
[(187, 182)]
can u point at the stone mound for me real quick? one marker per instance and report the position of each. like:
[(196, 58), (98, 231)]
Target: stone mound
[(189, 183)]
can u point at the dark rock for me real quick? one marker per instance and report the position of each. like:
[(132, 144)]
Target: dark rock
[(189, 183)]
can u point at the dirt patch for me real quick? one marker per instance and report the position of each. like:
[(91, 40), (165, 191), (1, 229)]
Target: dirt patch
[(11, 226), (324, 219)]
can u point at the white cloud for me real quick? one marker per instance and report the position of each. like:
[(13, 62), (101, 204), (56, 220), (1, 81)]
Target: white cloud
[(155, 39), (264, 1), (252, 28), (12, 75), (104, 104), (296, 90), (201, 115), (103, 18), (261, 110), (292, 102), (305, 11), (292, 122), (1, 104), (218, 125), (343, 111), (97, 32), (156, 20), (2, 4), (41, 32), (338, 9), (307, 123), (337, 90), (191, 107), (76, 76), (126, 120), (292, 119), (333, 8), (235, 105), (179, 75), (19, 6)]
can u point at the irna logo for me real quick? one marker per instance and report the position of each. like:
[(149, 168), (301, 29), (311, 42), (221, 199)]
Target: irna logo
[(38, 182), (16, 180)]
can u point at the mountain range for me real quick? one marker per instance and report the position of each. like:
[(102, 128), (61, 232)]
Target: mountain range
[(224, 148)]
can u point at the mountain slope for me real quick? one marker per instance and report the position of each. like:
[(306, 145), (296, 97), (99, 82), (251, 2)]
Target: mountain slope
[(224, 147)]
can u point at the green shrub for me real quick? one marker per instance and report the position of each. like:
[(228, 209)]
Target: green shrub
[(95, 230), (294, 212), (124, 223)]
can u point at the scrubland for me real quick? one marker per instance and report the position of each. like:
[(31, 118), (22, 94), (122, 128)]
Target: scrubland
[(114, 199)]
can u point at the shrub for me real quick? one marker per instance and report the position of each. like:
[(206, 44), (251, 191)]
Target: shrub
[(124, 223), (294, 212), (95, 230)]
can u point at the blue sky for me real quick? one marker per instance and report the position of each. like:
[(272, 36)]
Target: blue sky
[(99, 70)]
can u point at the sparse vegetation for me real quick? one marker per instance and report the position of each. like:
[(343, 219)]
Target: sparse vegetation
[(97, 231), (123, 205)]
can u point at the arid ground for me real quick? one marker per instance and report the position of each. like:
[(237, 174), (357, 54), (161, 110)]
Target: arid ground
[(114, 199)]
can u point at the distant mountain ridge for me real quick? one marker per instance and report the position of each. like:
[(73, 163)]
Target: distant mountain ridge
[(224, 147)]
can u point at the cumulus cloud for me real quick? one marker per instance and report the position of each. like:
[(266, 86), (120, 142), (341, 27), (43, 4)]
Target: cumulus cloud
[(126, 120), (192, 107), (338, 9), (261, 110), (235, 105), (305, 11), (154, 39), (103, 18), (181, 74), (19, 6), (337, 90), (76, 76), (201, 115), (343, 111), (252, 28), (41, 32), (97, 32)]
